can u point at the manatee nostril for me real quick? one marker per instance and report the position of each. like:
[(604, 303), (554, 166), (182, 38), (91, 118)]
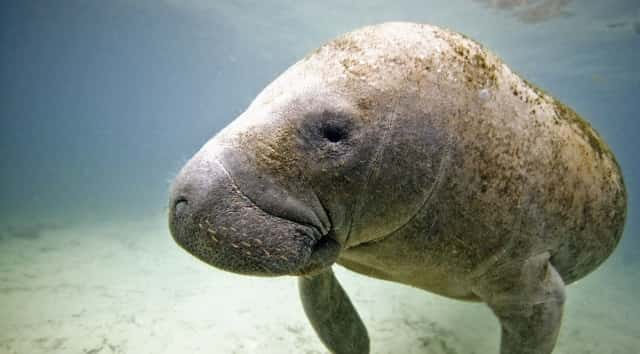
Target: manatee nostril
[(180, 206)]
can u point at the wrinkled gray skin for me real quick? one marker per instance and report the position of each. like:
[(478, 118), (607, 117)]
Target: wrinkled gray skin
[(407, 153)]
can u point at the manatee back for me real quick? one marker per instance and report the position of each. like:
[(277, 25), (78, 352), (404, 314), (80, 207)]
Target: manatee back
[(526, 174)]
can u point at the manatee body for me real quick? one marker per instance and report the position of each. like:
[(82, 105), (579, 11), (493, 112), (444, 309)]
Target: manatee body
[(408, 153)]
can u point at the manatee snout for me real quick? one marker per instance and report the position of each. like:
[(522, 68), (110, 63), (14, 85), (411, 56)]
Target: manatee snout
[(227, 218)]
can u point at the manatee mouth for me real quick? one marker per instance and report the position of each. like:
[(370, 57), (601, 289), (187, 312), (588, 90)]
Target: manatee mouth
[(263, 232)]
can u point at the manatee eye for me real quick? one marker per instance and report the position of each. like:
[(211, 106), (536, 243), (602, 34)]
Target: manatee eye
[(334, 133)]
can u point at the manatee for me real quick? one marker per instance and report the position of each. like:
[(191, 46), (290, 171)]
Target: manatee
[(408, 153)]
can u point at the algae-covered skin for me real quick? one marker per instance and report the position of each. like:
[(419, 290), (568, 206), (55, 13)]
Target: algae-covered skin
[(408, 153)]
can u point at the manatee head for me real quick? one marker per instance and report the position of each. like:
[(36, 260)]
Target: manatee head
[(323, 159)]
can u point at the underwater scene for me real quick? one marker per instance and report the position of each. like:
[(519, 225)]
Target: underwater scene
[(402, 177)]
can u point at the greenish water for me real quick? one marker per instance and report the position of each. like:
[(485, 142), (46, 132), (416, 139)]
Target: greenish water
[(102, 103)]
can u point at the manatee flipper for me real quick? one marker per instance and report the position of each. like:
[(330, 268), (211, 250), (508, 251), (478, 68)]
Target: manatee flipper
[(528, 301), (332, 314)]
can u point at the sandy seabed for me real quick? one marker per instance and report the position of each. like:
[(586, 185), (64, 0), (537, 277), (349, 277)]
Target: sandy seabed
[(126, 287)]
